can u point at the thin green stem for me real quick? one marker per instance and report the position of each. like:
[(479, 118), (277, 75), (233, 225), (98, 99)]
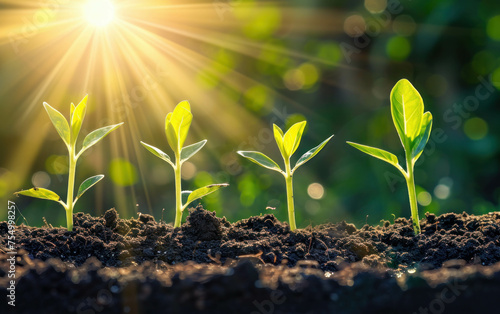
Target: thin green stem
[(410, 181), (289, 194), (178, 191), (71, 188)]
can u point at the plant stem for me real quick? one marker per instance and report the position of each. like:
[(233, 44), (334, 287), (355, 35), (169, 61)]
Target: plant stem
[(410, 181), (289, 195), (71, 187), (178, 191)]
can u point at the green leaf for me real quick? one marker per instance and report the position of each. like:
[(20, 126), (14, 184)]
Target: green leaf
[(72, 109), (310, 154), (77, 116), (188, 151), (278, 136), (95, 136), (425, 131), (260, 159), (87, 184), (407, 109), (377, 153), (40, 193), (172, 137), (292, 137), (60, 123), (158, 153), (185, 196), (204, 191), (181, 121)]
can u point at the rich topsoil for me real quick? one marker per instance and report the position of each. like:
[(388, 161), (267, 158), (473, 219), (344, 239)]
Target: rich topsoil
[(257, 265)]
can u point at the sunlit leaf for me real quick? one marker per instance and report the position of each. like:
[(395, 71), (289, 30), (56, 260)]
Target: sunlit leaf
[(40, 193), (204, 191), (377, 153), (421, 140), (311, 153), (77, 118), (188, 151), (167, 122), (278, 136), (260, 159), (181, 121), (158, 153), (72, 109), (292, 138), (97, 135), (60, 123), (87, 184), (407, 109), (172, 137)]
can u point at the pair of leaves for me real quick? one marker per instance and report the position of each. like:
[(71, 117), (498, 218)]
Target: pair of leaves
[(52, 196), (77, 115), (287, 144), (186, 152), (413, 126), (177, 125), (70, 135), (201, 192)]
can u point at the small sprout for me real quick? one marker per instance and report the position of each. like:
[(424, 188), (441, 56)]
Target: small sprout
[(287, 144), (69, 134), (177, 125), (414, 128)]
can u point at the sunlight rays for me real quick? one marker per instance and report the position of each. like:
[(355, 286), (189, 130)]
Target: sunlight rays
[(135, 62)]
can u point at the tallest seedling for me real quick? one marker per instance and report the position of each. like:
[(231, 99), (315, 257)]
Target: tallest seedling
[(414, 127), (69, 134)]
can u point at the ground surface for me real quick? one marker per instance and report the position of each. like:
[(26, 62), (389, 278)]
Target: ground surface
[(111, 265)]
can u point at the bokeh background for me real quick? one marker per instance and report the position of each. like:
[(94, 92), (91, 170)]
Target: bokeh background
[(244, 65)]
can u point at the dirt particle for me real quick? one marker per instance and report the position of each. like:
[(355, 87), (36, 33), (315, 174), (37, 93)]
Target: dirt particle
[(110, 217), (145, 218), (202, 225)]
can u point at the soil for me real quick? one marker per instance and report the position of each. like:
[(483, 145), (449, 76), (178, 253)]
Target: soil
[(256, 265)]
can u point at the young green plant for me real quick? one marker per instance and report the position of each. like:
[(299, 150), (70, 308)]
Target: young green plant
[(414, 128), (69, 134), (177, 125), (287, 145)]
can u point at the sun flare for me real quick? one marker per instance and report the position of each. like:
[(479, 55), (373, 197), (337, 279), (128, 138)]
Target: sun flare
[(99, 13), (136, 59)]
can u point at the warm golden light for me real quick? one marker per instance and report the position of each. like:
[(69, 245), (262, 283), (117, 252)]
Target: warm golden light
[(99, 12), (136, 60)]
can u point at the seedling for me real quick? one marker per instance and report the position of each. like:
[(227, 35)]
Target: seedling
[(177, 125), (287, 145), (69, 134), (414, 128)]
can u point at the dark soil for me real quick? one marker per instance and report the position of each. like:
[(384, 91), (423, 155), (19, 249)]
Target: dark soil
[(257, 265)]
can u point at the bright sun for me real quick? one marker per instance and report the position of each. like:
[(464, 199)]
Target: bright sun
[(99, 12)]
